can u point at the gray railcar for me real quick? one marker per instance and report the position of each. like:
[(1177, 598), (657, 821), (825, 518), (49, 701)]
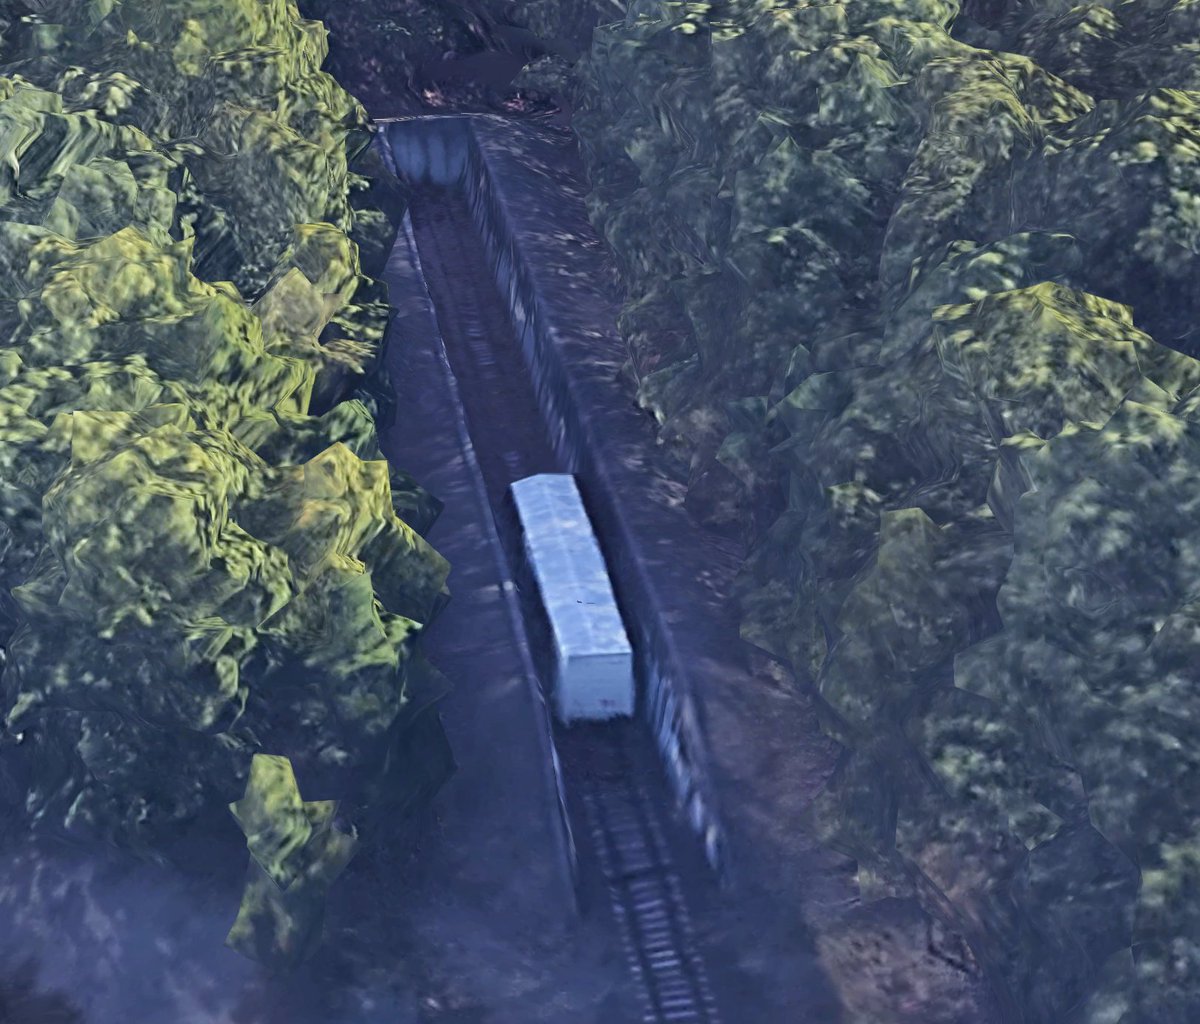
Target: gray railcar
[(591, 661)]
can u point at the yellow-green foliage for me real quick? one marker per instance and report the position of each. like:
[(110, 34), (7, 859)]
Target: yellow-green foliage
[(200, 535), (914, 475), (932, 268), (296, 852)]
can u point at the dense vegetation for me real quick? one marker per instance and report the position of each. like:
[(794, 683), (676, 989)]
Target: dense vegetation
[(203, 556), (915, 288), (912, 289), (427, 56)]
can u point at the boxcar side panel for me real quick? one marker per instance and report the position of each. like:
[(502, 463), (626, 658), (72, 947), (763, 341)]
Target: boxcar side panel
[(593, 676)]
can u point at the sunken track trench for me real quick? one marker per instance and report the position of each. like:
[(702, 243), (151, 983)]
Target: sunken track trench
[(632, 857)]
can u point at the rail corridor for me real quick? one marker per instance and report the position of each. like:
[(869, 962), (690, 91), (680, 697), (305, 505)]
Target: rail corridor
[(634, 858)]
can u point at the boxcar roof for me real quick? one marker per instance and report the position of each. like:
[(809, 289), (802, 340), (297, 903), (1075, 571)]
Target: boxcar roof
[(569, 568)]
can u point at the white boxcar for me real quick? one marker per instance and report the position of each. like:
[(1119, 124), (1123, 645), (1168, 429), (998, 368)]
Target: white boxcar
[(593, 662)]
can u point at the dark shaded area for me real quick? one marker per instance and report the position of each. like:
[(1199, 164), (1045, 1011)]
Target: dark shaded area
[(408, 57), (22, 1003)]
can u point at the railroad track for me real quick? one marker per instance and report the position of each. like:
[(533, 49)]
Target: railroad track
[(499, 403), (614, 790), (645, 891)]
